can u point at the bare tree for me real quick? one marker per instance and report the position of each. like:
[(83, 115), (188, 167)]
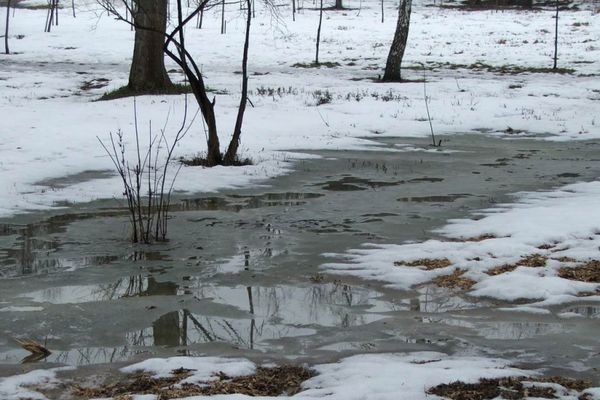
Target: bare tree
[(394, 60), (319, 32), (556, 37), (6, 49), (175, 48)]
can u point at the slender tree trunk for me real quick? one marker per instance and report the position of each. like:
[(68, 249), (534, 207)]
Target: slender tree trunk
[(222, 17), (148, 73), (394, 60), (556, 37), (293, 10), (6, 49), (319, 32), (382, 12), (73, 7), (231, 154)]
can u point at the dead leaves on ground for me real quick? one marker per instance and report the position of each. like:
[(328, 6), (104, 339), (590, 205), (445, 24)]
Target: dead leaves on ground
[(455, 280), (587, 272), (275, 381), (428, 263), (532, 260), (510, 388)]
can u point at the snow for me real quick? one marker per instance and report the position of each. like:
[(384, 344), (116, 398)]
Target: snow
[(50, 125), (366, 377), (19, 386), (373, 376), (557, 218), (204, 368)]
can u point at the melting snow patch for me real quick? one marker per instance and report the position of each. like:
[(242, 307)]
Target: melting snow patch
[(515, 251)]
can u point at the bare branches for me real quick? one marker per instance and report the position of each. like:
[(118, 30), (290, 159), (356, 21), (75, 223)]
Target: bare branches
[(147, 184)]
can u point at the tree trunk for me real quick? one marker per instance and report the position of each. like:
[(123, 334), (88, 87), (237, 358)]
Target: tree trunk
[(319, 33), (394, 60), (148, 73), (339, 5), (231, 154), (555, 37), (6, 50)]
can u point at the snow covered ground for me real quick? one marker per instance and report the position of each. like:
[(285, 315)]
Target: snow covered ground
[(373, 376), (50, 125), (519, 251), (49, 128)]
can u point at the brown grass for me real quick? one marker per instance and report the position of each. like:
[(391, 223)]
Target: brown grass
[(507, 388), (428, 263), (587, 272), (276, 381), (455, 280)]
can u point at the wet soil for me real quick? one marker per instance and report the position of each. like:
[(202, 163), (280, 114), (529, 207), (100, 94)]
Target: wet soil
[(240, 274)]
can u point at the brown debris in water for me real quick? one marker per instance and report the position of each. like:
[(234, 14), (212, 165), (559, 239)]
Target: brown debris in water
[(276, 381), (455, 280), (510, 388), (428, 263), (587, 272)]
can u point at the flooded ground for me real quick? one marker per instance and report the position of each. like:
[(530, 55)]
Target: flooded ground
[(240, 274)]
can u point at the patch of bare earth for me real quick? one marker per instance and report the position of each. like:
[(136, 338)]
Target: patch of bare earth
[(511, 388), (587, 272), (428, 263), (531, 260), (455, 280), (276, 381)]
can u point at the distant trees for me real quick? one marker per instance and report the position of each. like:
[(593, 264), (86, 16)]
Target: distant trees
[(394, 59)]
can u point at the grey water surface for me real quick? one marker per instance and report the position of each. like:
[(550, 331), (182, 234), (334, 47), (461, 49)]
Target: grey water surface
[(240, 274)]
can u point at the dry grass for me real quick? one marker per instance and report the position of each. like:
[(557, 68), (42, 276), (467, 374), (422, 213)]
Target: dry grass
[(587, 272), (455, 280), (511, 388), (276, 381), (428, 263)]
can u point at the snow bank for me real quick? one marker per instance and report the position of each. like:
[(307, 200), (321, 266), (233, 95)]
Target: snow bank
[(50, 125), (558, 226), (18, 386)]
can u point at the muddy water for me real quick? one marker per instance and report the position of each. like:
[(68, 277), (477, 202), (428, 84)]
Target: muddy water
[(240, 274)]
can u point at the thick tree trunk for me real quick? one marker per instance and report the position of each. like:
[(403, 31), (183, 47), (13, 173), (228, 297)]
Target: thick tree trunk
[(148, 73), (338, 5), (394, 60)]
